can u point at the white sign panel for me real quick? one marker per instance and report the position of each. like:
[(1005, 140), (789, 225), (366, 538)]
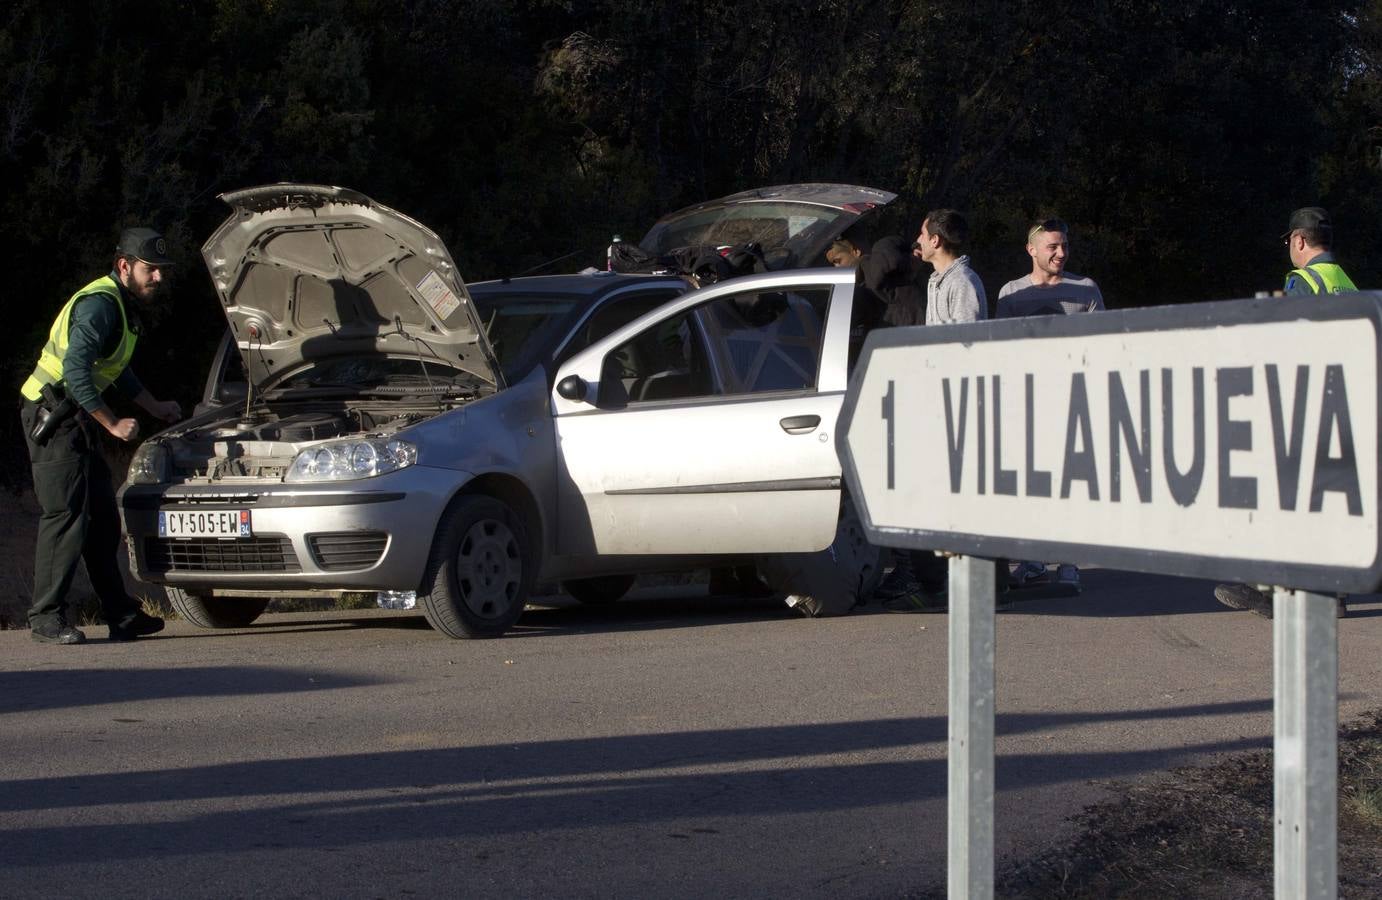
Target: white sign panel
[(1235, 440)]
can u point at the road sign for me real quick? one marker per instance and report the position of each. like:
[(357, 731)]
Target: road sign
[(1235, 440)]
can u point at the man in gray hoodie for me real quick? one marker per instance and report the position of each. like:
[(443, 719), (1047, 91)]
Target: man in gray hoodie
[(954, 292)]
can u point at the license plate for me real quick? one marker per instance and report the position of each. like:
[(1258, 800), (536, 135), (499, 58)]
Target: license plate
[(221, 523)]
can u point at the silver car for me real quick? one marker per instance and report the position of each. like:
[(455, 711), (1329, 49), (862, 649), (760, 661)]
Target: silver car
[(376, 442)]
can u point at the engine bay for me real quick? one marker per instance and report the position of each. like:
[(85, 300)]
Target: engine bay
[(262, 444)]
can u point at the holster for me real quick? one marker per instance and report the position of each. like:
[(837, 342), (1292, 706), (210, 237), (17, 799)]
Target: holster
[(53, 410)]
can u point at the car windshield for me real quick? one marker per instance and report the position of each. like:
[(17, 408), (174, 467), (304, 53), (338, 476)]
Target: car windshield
[(798, 228), (523, 327)]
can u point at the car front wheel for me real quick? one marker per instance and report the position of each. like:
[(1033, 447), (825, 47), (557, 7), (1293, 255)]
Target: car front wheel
[(206, 611), (480, 571)]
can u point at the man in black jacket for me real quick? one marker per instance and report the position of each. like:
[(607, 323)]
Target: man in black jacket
[(888, 269), (893, 293)]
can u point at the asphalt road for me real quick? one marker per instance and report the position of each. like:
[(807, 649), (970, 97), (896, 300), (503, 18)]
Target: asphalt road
[(664, 746)]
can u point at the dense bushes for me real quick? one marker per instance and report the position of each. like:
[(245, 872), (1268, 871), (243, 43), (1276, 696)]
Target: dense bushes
[(1175, 138)]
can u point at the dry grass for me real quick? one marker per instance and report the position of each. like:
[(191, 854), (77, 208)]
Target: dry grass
[(1366, 805), (1207, 832), (88, 609), (351, 600), (1360, 796)]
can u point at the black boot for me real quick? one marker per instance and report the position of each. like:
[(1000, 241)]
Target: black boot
[(137, 625)]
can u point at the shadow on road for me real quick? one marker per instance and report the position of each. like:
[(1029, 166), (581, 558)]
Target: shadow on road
[(545, 787), (1112, 593), (289, 624), (656, 609), (71, 688), (1107, 593), (651, 610)]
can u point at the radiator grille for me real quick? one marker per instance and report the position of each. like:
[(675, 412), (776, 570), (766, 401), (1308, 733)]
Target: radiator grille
[(342, 550), (255, 554)]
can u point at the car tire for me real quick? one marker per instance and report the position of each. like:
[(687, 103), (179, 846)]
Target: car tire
[(215, 612), (595, 591), (480, 570)]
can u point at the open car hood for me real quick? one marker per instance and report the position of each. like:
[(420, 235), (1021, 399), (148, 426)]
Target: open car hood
[(793, 224), (310, 272)]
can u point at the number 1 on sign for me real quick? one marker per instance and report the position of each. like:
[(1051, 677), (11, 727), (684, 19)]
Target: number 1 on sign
[(890, 416)]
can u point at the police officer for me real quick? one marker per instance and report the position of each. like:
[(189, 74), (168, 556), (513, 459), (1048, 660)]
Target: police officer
[(1308, 239), (88, 350)]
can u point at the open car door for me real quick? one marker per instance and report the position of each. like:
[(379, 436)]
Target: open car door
[(708, 425)]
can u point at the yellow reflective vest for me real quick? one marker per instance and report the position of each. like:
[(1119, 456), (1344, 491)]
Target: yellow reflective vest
[(105, 370), (1324, 278)]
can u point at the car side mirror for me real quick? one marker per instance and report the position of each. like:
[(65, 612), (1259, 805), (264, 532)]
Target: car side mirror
[(572, 387)]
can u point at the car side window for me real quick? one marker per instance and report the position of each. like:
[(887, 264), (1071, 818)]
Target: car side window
[(613, 315), (743, 343), (766, 340)]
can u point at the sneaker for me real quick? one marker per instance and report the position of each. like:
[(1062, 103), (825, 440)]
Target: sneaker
[(137, 625), (1027, 573), (1068, 577), (57, 633), (920, 601), (937, 600), (1240, 596), (901, 604), (897, 583)]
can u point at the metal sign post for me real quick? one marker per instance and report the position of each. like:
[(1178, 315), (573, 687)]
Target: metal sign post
[(1305, 636), (970, 755), (1237, 441)]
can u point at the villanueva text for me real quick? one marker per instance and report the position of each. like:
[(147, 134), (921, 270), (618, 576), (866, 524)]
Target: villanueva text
[(1136, 444)]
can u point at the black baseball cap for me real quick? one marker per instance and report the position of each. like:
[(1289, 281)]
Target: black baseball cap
[(1308, 219), (144, 244)]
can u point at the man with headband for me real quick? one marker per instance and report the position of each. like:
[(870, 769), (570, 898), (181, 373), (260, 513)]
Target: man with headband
[(1048, 290)]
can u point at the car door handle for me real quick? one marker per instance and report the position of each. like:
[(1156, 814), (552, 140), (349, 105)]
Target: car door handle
[(800, 424)]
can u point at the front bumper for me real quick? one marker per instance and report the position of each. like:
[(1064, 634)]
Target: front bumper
[(372, 534)]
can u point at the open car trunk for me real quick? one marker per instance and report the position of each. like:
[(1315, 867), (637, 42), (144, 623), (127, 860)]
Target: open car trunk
[(762, 230)]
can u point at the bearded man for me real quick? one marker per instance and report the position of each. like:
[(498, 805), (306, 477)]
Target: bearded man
[(88, 350)]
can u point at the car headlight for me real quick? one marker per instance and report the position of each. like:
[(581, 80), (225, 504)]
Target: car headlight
[(347, 460), (151, 464)]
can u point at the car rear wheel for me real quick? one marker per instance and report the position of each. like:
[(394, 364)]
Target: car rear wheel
[(604, 589), (206, 611), (480, 570)]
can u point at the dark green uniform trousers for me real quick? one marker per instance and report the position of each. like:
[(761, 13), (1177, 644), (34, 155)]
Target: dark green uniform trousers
[(78, 522)]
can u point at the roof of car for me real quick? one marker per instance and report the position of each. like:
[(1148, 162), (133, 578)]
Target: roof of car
[(596, 283)]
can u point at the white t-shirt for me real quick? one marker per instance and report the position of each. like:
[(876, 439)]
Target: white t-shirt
[(1073, 294)]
